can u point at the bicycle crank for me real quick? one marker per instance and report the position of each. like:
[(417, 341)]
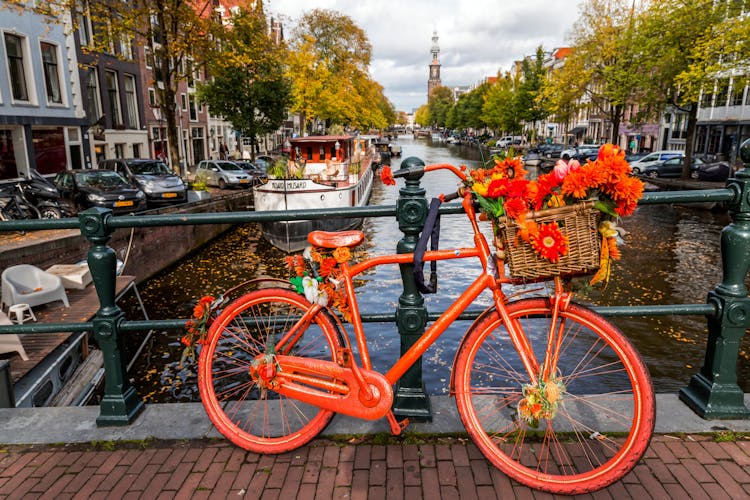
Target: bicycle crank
[(324, 384)]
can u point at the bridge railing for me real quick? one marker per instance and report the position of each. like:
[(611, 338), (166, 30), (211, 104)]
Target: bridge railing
[(713, 392)]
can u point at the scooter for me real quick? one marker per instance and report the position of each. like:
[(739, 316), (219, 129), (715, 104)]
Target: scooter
[(13, 205), (41, 193)]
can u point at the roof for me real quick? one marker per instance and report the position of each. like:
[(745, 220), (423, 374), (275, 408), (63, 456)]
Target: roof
[(321, 138)]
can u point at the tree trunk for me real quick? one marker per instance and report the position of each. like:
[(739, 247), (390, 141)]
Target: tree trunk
[(616, 117), (689, 147)]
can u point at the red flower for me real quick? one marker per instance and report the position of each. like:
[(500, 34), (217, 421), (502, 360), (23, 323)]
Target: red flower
[(514, 207), (550, 243), (386, 175), (498, 188)]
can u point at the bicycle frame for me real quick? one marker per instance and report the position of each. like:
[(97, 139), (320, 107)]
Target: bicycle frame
[(371, 385)]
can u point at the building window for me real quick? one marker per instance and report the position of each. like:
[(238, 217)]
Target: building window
[(91, 82), (131, 102), (136, 150), (84, 29), (119, 150), (193, 109), (51, 72), (110, 78), (17, 73), (152, 98), (183, 99), (735, 98), (722, 92), (149, 57)]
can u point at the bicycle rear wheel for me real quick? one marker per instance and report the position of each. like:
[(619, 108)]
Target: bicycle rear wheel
[(582, 429), (242, 408)]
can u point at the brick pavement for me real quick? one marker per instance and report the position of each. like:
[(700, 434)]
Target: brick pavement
[(675, 466)]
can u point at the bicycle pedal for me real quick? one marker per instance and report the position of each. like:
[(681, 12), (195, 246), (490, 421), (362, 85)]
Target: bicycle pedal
[(396, 426)]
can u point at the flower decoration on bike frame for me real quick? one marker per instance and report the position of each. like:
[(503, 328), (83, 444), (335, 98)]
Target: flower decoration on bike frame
[(508, 198), (318, 277), (196, 328)]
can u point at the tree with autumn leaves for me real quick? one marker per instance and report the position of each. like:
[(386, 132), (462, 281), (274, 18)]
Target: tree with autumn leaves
[(328, 63)]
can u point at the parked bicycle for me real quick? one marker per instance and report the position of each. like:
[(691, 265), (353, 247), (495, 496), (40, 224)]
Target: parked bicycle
[(552, 393)]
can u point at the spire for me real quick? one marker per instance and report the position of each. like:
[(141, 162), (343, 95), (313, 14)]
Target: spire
[(435, 47)]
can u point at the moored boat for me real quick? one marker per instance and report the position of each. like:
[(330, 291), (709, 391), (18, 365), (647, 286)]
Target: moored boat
[(331, 171)]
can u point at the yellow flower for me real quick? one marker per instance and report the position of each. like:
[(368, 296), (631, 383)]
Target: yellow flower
[(342, 254), (479, 188)]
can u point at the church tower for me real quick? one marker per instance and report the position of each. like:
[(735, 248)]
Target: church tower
[(434, 80)]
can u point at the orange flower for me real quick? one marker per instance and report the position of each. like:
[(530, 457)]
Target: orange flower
[(327, 266), (614, 252), (342, 254), (386, 176), (515, 207), (198, 310), (550, 243)]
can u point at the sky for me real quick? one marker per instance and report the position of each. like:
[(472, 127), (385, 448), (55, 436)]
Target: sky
[(476, 37)]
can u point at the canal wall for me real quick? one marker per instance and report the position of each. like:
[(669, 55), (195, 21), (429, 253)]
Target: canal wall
[(145, 251)]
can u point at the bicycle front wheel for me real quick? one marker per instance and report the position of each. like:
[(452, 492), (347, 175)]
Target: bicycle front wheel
[(581, 429), (246, 412)]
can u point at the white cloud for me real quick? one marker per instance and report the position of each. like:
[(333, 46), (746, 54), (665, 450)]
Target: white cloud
[(477, 37)]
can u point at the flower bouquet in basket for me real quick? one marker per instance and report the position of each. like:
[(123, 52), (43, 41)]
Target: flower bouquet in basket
[(563, 222)]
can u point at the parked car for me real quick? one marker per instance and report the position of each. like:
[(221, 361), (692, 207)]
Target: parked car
[(223, 174), (671, 167), (257, 174), (264, 161), (639, 166), (81, 189), (718, 171), (161, 185), (584, 151), (552, 150), (632, 157)]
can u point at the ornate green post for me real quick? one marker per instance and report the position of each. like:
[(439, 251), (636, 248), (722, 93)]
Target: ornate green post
[(713, 393), (411, 400), (120, 404)]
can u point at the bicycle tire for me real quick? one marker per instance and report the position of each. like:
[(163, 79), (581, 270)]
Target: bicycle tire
[(252, 417), (604, 414)]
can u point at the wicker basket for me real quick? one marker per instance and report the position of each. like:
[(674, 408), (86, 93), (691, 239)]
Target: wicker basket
[(578, 222)]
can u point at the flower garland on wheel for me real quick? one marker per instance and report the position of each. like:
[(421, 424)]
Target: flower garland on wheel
[(504, 191)]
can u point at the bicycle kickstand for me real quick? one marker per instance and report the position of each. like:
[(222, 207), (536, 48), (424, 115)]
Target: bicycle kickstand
[(396, 426)]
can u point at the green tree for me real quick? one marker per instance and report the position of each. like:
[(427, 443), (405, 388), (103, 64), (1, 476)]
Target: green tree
[(467, 111), (499, 110), (685, 54), (247, 85), (440, 103), (530, 100), (608, 55)]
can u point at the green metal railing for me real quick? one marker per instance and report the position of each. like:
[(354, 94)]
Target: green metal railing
[(713, 393)]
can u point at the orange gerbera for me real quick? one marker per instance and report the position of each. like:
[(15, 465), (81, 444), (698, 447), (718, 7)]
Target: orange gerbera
[(550, 243)]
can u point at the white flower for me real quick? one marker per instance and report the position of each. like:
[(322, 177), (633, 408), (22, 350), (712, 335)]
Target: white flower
[(307, 253), (312, 293), (310, 286)]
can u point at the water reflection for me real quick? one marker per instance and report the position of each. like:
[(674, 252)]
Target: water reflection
[(671, 256)]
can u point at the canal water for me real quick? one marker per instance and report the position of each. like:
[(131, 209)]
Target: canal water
[(671, 256)]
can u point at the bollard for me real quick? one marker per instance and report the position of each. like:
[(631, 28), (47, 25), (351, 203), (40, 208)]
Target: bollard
[(713, 393), (410, 400), (120, 403)]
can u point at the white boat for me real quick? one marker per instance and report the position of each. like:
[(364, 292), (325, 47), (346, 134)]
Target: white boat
[(330, 171), (437, 137)]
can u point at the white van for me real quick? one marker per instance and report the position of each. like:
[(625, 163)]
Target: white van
[(509, 140), (652, 158)]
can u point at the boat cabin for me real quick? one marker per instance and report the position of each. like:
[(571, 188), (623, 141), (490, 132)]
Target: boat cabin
[(327, 157)]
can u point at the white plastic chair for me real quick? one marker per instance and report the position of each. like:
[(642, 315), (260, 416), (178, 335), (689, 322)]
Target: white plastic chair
[(27, 284), (10, 342)]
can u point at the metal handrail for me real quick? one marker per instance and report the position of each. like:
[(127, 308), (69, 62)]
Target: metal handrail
[(97, 225)]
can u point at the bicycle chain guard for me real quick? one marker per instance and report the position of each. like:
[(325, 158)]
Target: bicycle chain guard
[(327, 385)]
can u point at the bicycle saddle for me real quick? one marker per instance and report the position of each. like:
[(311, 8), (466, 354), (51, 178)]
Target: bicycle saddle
[(337, 239)]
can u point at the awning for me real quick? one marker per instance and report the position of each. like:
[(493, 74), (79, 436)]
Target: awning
[(577, 130)]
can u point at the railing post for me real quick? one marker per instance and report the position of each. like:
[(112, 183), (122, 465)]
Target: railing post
[(120, 403), (411, 400), (713, 393)]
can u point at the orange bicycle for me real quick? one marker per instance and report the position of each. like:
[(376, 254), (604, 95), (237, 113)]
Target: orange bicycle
[(552, 393)]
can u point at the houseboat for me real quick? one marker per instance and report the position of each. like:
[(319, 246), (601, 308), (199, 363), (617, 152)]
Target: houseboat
[(329, 171)]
